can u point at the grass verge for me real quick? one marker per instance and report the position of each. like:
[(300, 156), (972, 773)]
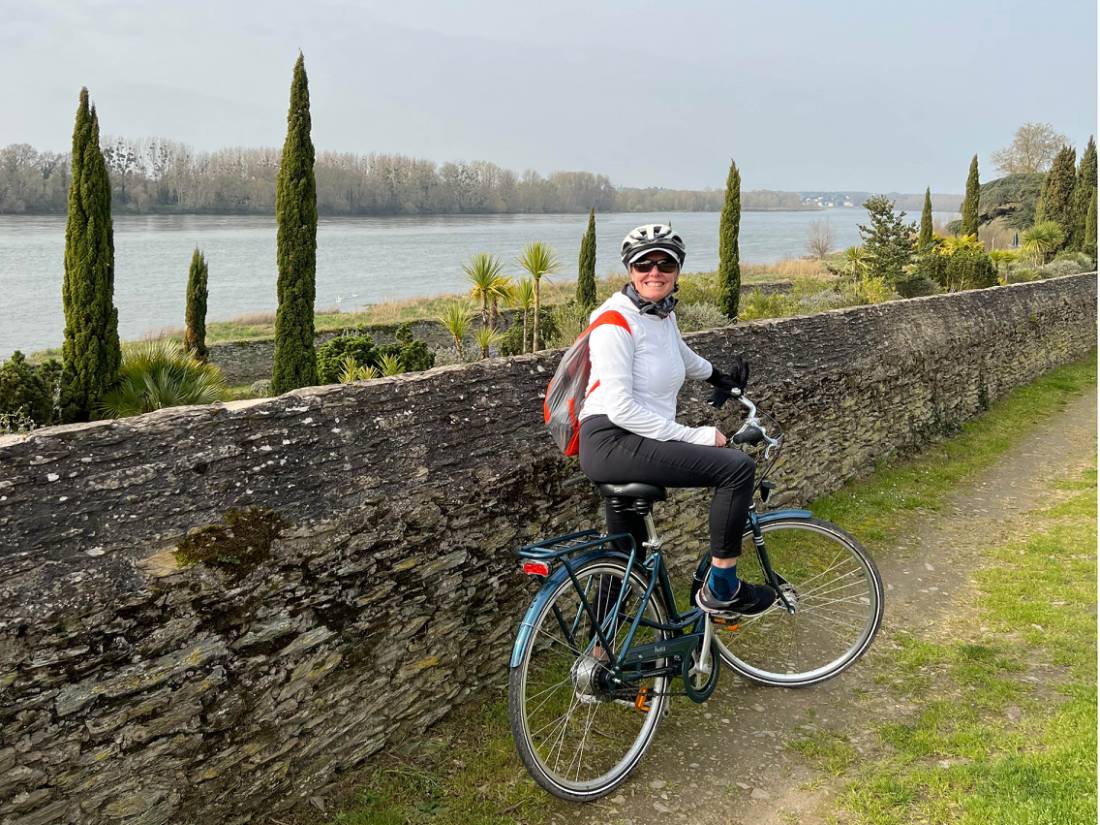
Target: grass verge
[(466, 772), (1006, 731)]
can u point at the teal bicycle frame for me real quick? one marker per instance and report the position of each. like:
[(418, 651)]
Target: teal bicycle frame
[(570, 551)]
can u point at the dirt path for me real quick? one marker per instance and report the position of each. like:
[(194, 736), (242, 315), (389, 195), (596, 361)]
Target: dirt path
[(728, 761)]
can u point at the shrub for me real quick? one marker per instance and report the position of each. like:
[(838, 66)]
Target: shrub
[(822, 301), (698, 317), (1057, 269), (159, 374), (28, 392), (261, 388), (969, 269), (698, 289), (410, 357), (916, 285), (332, 354), (1022, 275), (758, 304), (511, 342)]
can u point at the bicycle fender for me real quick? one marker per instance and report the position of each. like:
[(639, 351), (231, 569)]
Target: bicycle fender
[(777, 515), (543, 595)]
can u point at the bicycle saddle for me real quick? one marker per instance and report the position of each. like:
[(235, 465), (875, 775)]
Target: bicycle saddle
[(649, 492)]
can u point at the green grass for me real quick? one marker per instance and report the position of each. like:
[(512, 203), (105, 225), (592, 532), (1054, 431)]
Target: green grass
[(884, 506), (990, 744), (468, 773)]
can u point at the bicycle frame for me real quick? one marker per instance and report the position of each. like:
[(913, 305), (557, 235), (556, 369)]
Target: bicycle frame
[(563, 549)]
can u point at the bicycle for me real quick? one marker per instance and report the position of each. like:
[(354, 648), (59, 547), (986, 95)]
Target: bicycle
[(603, 642)]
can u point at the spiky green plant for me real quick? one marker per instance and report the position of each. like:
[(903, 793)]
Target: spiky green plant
[(485, 273), (351, 370), (538, 259), (390, 364), (523, 298), (158, 374), (1042, 240), (485, 338), (855, 261), (456, 320)]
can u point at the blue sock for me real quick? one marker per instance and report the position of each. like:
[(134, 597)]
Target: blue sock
[(723, 582)]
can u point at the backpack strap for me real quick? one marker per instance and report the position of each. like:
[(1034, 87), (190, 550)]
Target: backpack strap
[(612, 316)]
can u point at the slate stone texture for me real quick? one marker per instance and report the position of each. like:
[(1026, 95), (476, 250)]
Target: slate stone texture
[(137, 689)]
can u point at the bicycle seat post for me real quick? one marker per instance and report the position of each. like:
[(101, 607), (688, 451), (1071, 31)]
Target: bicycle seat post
[(653, 541)]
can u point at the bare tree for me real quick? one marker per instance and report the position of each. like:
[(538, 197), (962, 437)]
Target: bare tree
[(1032, 150), (820, 240)]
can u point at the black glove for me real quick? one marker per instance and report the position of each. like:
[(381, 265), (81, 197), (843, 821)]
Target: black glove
[(735, 379)]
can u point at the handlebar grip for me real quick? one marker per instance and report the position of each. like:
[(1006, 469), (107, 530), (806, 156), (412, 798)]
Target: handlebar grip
[(747, 435)]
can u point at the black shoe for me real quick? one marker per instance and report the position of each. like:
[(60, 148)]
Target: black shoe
[(749, 600)]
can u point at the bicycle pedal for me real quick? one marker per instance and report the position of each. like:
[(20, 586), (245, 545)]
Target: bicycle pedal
[(726, 624), (641, 701)]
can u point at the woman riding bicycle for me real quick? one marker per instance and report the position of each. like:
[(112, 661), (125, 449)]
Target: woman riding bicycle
[(628, 427)]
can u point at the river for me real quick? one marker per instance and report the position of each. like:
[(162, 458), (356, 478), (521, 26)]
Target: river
[(359, 260)]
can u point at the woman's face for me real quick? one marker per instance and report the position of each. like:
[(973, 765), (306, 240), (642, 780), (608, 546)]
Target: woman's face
[(654, 284)]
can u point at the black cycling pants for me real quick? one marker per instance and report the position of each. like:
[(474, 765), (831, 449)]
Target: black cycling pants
[(612, 455)]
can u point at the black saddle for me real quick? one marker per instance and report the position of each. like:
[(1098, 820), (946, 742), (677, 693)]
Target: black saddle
[(635, 496)]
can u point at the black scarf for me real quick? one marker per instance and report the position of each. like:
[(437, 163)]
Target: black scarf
[(660, 308)]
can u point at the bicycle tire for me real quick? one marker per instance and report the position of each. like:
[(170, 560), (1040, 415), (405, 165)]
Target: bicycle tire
[(839, 599), (552, 655)]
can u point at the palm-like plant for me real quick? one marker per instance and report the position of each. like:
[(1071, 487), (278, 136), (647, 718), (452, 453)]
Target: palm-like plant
[(485, 273), (158, 374), (523, 297), (486, 337), (1042, 240), (855, 261), (538, 259), (390, 364), (352, 371), (501, 290), (456, 320)]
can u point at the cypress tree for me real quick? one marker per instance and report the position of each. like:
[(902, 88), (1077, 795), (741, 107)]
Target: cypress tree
[(925, 238), (296, 245), (729, 257), (1089, 245), (194, 334), (970, 201), (1056, 199), (586, 267), (1083, 188), (91, 354)]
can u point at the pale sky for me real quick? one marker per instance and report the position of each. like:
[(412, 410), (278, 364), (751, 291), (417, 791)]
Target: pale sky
[(856, 95)]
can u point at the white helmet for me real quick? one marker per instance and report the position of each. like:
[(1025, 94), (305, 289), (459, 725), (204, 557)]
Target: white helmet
[(652, 236)]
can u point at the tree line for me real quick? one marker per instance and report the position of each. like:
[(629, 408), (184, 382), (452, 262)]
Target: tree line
[(157, 175)]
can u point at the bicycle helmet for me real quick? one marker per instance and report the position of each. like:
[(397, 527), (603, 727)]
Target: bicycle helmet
[(653, 236)]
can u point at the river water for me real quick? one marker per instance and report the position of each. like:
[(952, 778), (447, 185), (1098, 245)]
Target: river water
[(359, 260)]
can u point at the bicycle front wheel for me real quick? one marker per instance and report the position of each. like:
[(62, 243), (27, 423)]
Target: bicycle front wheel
[(579, 735), (837, 596)]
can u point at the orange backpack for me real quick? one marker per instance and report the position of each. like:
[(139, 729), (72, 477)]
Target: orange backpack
[(567, 390)]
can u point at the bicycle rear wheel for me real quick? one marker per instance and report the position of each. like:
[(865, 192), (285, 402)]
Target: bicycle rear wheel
[(578, 735), (837, 594)]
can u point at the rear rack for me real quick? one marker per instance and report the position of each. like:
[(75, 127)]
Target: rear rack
[(568, 544)]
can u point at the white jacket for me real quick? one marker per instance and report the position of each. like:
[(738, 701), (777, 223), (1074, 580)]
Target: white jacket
[(637, 375)]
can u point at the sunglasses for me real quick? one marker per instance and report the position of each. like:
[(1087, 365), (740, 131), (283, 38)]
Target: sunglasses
[(666, 265)]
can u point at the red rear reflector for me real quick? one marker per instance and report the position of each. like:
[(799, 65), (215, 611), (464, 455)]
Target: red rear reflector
[(536, 568)]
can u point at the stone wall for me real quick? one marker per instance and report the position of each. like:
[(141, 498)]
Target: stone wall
[(372, 586)]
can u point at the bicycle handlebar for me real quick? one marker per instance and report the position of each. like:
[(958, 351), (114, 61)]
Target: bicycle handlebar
[(752, 431)]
